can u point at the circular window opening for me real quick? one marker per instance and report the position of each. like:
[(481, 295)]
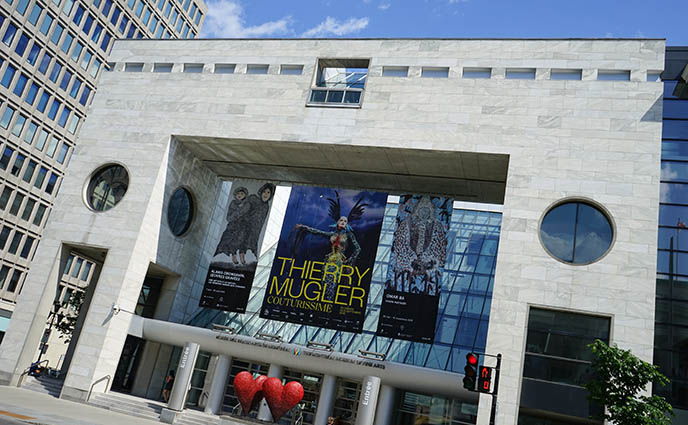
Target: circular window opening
[(107, 187), (576, 232), (180, 211)]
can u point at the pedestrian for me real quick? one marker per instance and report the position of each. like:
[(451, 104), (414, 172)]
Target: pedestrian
[(169, 383)]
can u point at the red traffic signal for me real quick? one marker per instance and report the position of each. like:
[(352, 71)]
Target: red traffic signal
[(471, 370)]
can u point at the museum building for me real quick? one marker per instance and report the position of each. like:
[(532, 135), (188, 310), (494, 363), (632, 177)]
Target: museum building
[(549, 151)]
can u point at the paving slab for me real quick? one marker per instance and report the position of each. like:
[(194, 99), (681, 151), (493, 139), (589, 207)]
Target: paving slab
[(21, 406)]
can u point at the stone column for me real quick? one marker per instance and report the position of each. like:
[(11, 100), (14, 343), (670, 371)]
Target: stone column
[(384, 414), (218, 385), (368, 400), (182, 383), (275, 371), (328, 393)]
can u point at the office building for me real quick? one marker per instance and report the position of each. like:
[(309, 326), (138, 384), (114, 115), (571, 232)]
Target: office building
[(51, 57)]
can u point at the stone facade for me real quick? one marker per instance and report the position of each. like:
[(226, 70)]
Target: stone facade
[(589, 139)]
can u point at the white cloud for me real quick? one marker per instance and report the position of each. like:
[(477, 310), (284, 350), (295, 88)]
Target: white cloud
[(331, 26), (384, 5), (225, 20)]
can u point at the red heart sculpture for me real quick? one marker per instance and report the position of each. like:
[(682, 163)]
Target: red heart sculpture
[(249, 391), (281, 398)]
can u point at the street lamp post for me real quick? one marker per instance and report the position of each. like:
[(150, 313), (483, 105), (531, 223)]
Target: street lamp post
[(52, 315)]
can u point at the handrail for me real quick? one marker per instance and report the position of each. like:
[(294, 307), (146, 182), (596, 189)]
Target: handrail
[(28, 369), (205, 394), (108, 377)]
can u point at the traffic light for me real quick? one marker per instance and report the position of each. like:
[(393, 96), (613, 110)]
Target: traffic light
[(485, 379), (471, 370)]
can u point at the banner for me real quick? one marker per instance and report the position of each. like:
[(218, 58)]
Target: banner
[(419, 252), (325, 255), (232, 268)]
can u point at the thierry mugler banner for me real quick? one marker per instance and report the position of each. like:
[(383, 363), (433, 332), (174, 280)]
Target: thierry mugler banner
[(414, 277), (325, 255), (232, 268)]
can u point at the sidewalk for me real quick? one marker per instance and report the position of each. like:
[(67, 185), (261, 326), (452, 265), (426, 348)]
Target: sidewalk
[(42, 409)]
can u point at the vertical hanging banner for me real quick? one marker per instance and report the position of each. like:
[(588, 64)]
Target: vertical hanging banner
[(414, 277), (324, 262), (232, 268)]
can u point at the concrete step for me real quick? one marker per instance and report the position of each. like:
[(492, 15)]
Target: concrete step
[(196, 417), (128, 405), (44, 385)]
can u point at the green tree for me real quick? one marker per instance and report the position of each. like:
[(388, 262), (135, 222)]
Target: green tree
[(619, 377), (66, 323)]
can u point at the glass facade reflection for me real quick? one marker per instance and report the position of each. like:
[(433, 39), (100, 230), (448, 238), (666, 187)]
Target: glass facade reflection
[(464, 308), (671, 313)]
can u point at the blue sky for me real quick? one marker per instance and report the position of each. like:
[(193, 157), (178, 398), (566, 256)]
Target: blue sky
[(448, 18)]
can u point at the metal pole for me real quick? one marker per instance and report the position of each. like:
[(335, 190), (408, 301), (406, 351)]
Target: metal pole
[(493, 413)]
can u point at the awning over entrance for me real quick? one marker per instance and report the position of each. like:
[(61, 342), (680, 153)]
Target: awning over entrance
[(466, 176)]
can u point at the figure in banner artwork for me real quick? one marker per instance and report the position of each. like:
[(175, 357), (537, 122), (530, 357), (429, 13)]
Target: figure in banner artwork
[(341, 236), (420, 245), (246, 215)]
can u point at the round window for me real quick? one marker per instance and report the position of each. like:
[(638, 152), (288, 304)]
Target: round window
[(107, 187), (180, 211), (576, 232)]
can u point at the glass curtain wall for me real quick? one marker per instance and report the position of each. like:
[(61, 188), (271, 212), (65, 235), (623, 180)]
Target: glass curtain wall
[(464, 307), (671, 313)]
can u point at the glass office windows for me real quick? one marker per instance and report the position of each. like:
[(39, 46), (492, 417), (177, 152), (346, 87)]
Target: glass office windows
[(28, 209), (30, 168), (40, 177), (67, 9), (20, 84), (18, 164), (18, 125), (4, 199), (33, 54), (26, 249), (67, 42), (21, 44), (6, 117), (88, 24), (57, 34), (95, 67), (66, 78), (35, 14), (107, 7), (78, 15), (30, 132), (64, 116), (45, 25), (40, 213), (76, 85), (76, 52), (52, 181), (84, 96), (106, 42), (8, 76), (45, 62), (162, 67), (5, 158), (54, 107), (123, 24), (55, 72), (16, 204), (22, 6), (63, 153), (115, 15), (43, 101), (96, 33), (10, 32)]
